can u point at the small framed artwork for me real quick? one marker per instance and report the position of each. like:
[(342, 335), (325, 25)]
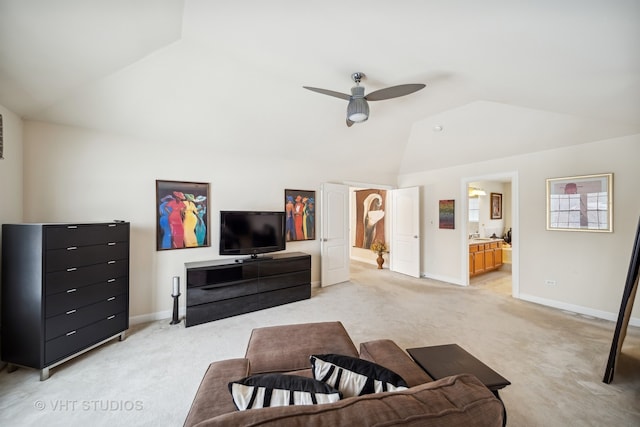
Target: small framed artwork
[(300, 214), (446, 213), (496, 206), (182, 215), (580, 203)]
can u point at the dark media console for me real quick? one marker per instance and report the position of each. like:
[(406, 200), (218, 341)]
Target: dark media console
[(225, 288)]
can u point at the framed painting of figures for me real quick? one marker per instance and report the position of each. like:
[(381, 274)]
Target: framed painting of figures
[(300, 214), (182, 215)]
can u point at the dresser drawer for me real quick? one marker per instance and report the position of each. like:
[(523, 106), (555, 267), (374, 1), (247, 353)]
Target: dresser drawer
[(77, 297), (64, 236), (82, 316), (61, 281), (284, 281), (78, 256), (79, 339), (219, 310), (269, 268), (222, 274), (205, 294)]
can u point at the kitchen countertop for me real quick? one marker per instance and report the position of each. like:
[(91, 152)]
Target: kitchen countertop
[(476, 241)]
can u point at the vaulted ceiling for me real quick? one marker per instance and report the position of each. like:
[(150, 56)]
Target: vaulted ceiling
[(503, 77)]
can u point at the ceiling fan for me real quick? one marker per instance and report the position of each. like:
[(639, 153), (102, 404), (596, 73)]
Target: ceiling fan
[(358, 108)]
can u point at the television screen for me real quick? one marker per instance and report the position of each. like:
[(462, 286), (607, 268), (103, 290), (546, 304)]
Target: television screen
[(251, 232)]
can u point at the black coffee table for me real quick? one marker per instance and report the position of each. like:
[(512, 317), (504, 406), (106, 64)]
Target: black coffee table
[(450, 359)]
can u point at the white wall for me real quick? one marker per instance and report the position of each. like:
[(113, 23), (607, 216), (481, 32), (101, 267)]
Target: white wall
[(79, 175), (589, 268), (11, 168)]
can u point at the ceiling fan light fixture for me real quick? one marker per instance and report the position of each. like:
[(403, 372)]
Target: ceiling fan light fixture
[(358, 108)]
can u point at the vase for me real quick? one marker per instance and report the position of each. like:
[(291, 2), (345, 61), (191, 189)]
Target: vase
[(380, 261)]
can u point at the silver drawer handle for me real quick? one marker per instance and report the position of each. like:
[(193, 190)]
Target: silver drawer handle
[(70, 333), (71, 269), (72, 226), (113, 316), (71, 290), (72, 248), (111, 299), (111, 262), (71, 311), (111, 280), (112, 225), (111, 243)]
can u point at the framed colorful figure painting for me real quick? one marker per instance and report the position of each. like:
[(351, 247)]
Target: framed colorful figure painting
[(182, 218), (300, 215)]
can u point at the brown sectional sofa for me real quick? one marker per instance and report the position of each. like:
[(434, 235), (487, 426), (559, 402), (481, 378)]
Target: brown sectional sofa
[(460, 400)]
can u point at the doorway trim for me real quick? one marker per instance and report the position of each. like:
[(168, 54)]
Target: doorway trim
[(515, 225)]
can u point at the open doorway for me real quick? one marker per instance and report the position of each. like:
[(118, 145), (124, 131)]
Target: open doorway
[(490, 232)]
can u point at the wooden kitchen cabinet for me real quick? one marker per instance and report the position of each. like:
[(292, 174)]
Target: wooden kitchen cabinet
[(484, 257), (476, 259)]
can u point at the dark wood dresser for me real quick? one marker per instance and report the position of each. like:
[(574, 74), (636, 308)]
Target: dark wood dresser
[(224, 288), (65, 290)]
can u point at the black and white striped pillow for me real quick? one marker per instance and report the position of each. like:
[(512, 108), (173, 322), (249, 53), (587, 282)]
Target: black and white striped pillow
[(353, 376), (264, 390)]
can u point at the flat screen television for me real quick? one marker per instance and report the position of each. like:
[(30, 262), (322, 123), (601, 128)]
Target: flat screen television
[(251, 232)]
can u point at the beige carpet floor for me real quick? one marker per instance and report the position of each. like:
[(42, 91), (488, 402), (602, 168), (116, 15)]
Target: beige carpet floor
[(555, 360)]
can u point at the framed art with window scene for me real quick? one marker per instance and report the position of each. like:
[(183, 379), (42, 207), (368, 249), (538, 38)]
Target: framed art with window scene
[(580, 203)]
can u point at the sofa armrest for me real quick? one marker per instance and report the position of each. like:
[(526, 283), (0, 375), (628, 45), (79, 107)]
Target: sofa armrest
[(388, 354), (213, 397)]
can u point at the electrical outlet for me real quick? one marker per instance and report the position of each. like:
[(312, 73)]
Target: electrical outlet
[(550, 282)]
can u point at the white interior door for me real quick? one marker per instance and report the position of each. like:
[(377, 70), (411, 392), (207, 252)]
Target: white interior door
[(405, 231), (334, 234)]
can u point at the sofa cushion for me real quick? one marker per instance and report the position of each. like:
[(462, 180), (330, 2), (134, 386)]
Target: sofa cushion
[(288, 347), (387, 353), (354, 376), (264, 390), (460, 400)]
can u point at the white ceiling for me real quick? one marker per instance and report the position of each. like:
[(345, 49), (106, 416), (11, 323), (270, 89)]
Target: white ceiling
[(503, 77)]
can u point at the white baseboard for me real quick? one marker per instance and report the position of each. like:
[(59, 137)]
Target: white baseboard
[(599, 314), (158, 315)]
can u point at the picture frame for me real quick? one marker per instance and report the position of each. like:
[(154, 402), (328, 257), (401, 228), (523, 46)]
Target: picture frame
[(447, 214), (370, 217), (580, 203), (182, 215), (300, 215), (495, 206)]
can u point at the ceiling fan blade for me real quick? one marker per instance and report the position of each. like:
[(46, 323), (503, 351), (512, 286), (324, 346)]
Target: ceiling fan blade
[(349, 122), (394, 92), (329, 92)]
